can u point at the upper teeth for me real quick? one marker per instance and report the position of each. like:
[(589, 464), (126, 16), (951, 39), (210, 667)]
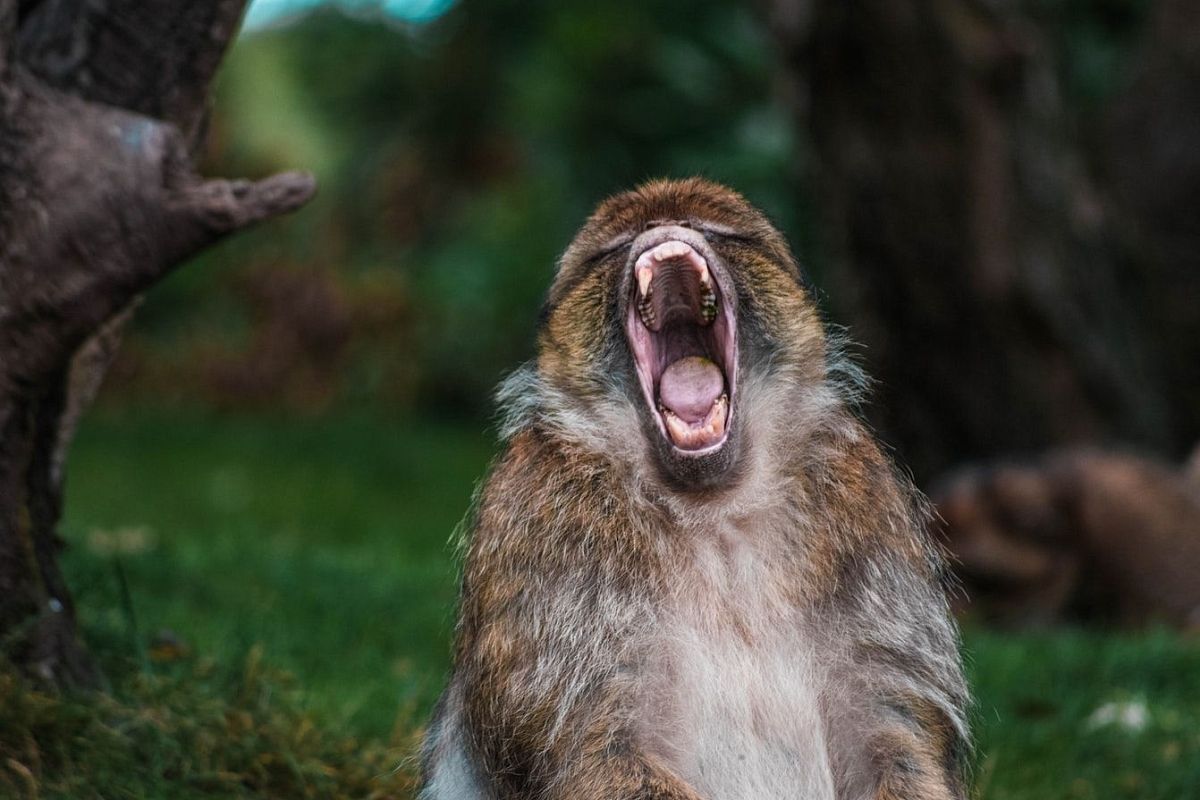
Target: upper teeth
[(667, 251), (644, 276), (671, 249)]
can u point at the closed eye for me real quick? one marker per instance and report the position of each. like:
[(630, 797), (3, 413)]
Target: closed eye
[(719, 233), (612, 248)]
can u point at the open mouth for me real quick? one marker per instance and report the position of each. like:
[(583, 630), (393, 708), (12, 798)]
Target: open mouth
[(683, 337)]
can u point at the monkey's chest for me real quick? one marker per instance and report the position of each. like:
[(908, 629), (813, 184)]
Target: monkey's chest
[(741, 720)]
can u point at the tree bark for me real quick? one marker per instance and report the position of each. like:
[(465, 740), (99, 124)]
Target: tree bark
[(969, 242), (98, 200)]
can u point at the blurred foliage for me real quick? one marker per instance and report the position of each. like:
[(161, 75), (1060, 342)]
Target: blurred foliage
[(456, 158), (1095, 40), (455, 161)]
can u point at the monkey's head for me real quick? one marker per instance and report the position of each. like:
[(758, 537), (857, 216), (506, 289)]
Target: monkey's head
[(678, 323)]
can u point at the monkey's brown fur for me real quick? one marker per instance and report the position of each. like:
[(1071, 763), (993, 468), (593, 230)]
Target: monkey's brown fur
[(771, 625)]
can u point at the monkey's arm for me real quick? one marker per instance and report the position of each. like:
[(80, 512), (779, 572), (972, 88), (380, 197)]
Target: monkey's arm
[(895, 704), (555, 599), (917, 759), (551, 721), (895, 740), (895, 715), (619, 772)]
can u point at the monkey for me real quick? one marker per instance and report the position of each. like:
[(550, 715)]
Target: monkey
[(1077, 534), (692, 573)]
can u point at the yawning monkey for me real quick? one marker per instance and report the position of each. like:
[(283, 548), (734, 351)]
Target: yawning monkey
[(692, 574)]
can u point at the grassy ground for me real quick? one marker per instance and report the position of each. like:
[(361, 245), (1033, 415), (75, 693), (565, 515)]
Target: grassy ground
[(211, 556), (324, 543)]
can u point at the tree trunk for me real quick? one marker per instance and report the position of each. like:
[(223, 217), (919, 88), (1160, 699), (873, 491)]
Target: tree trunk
[(970, 244), (1150, 152), (98, 200)]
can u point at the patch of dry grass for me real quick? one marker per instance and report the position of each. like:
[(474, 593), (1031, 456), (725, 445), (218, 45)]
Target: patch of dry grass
[(200, 732)]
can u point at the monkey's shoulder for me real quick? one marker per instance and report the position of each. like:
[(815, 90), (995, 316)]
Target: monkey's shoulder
[(561, 513)]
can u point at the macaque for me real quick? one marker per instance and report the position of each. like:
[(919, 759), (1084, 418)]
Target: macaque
[(1077, 535), (692, 574)]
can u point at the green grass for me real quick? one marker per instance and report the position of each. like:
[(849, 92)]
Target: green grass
[(325, 543), (1041, 703), (306, 567), (186, 732)]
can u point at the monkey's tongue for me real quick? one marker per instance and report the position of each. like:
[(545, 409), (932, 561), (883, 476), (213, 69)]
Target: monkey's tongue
[(690, 387)]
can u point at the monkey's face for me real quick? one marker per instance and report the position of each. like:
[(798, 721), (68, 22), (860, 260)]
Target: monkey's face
[(669, 299)]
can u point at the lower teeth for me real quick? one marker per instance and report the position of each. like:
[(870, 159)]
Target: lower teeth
[(689, 432)]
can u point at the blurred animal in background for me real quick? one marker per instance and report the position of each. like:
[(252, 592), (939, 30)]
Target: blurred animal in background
[(693, 573), (1077, 535)]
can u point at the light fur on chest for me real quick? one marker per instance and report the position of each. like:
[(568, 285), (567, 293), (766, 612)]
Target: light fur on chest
[(733, 707)]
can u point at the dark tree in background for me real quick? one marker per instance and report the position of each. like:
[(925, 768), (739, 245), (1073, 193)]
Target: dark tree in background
[(100, 107), (1021, 275), (1149, 156)]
